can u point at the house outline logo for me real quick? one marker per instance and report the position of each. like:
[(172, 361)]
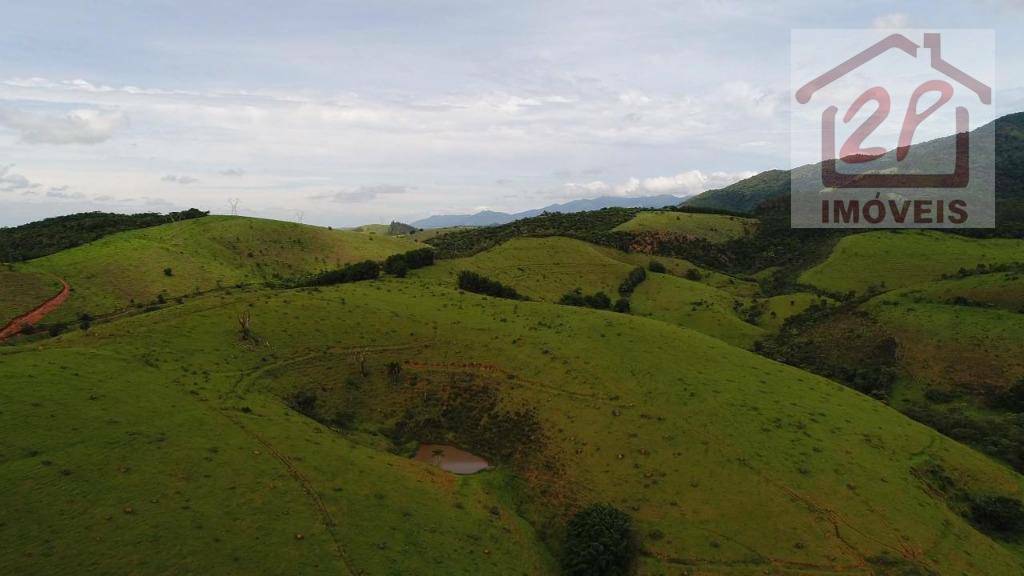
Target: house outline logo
[(851, 151)]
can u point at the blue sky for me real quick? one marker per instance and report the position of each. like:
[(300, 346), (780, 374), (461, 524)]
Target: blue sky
[(343, 113)]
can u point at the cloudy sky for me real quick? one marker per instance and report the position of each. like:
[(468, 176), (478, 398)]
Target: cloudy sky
[(353, 112)]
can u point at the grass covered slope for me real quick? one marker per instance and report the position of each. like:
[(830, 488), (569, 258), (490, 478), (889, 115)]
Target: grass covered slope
[(710, 227), (694, 305), (177, 259), (23, 291), (547, 268), (729, 463), (540, 268), (896, 259)]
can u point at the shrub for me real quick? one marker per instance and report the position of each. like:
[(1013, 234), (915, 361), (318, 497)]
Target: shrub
[(168, 272), (304, 402), (636, 276), (396, 265), (998, 514), (1012, 398), (656, 267), (365, 270), (694, 274), (598, 300), (622, 305), (473, 282), (419, 258), (574, 298), (599, 542)]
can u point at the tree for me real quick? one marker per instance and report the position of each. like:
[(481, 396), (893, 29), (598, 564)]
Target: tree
[(998, 514), (622, 305), (1013, 398), (599, 300), (473, 282), (636, 276), (396, 265), (599, 542)]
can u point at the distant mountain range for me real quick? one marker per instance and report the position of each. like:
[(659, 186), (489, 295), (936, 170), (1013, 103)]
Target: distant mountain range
[(491, 218)]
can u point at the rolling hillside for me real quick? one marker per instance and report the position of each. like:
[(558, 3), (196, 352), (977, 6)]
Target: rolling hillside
[(710, 227), (22, 291), (138, 268), (727, 462), (896, 259), (260, 429)]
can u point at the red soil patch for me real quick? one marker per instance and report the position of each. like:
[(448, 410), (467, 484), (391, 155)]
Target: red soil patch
[(35, 315)]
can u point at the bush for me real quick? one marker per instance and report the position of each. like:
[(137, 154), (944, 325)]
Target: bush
[(304, 402), (998, 514), (419, 258), (365, 270), (599, 300), (636, 276), (694, 274), (473, 282), (400, 264), (396, 265), (656, 267), (168, 272), (599, 542), (1012, 398), (622, 305)]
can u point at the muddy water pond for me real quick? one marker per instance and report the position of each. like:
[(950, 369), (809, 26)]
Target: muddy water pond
[(450, 459)]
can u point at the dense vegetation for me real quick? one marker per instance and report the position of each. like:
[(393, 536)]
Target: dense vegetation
[(355, 272), (599, 542), (597, 300), (636, 276), (400, 264), (55, 234), (472, 282)]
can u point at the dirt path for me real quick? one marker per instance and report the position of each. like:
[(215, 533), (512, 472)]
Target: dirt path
[(32, 317)]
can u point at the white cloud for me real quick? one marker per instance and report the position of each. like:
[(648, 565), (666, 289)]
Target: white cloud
[(179, 179), (362, 193), (11, 182), (79, 126), (682, 184), (893, 20)]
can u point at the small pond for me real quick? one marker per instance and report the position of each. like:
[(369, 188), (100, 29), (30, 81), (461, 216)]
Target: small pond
[(450, 459)]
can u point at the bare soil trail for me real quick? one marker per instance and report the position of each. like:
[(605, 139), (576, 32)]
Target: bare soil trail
[(33, 316)]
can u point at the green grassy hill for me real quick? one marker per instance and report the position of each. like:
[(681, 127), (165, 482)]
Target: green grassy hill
[(547, 268), (23, 291), (137, 267), (710, 227), (694, 305), (896, 259), (728, 463), (540, 268)]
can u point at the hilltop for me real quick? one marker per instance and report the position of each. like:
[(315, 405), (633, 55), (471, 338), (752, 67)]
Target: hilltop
[(169, 261), (746, 195)]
